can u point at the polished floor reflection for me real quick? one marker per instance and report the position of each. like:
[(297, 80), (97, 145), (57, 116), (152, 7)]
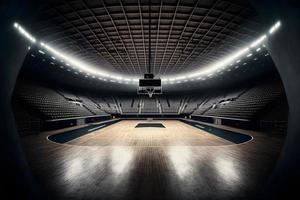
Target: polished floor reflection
[(177, 162), (126, 133)]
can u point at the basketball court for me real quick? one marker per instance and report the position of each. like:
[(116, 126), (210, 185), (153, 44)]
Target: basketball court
[(176, 161), (149, 100), (125, 133)]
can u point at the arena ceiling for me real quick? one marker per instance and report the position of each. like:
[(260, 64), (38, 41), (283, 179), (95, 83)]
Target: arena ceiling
[(114, 34)]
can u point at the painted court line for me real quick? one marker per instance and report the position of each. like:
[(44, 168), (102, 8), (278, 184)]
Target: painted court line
[(92, 129), (200, 126)]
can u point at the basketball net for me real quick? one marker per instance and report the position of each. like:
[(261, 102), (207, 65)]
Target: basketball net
[(150, 92)]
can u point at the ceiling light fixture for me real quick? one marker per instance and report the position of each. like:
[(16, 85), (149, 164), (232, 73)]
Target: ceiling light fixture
[(258, 41), (275, 27), (26, 34)]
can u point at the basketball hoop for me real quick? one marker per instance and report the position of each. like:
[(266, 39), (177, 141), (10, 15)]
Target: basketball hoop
[(149, 85), (150, 91)]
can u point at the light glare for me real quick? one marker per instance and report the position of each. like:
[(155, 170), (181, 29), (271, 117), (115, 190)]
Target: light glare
[(209, 70), (24, 32), (258, 41), (275, 27)]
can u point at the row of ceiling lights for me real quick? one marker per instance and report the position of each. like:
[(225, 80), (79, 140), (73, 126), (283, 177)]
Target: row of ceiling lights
[(232, 66), (201, 74), (220, 71), (225, 63), (54, 61)]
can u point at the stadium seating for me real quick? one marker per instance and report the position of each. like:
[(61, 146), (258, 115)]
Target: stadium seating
[(48, 104), (107, 104), (170, 105), (52, 104), (242, 104), (129, 105), (149, 105), (191, 104), (68, 95), (207, 104), (91, 106)]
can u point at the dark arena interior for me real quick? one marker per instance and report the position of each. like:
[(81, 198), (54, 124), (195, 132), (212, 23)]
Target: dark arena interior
[(150, 99)]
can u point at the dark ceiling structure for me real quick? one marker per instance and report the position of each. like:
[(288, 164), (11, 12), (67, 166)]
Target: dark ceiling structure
[(113, 35), (55, 73)]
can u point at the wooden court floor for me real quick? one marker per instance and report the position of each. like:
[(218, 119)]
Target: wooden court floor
[(177, 162), (124, 133)]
